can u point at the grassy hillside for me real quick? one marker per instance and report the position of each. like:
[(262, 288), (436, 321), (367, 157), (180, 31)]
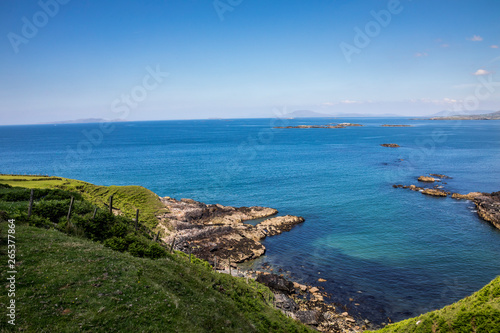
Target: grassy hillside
[(69, 284), (125, 198), (479, 312)]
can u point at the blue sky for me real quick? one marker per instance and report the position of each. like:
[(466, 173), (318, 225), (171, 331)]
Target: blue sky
[(245, 58)]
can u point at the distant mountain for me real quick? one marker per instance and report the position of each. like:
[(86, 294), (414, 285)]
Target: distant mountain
[(486, 116), (86, 121), (448, 113), (314, 114), (306, 114)]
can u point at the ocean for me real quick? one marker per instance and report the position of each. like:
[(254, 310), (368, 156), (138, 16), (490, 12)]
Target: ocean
[(386, 253)]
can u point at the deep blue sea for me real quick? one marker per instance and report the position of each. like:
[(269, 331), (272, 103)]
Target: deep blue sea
[(394, 252)]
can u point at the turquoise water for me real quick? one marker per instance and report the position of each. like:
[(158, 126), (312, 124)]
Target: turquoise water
[(395, 252)]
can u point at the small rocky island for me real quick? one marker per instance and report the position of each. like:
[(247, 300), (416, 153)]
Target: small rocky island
[(332, 125), (390, 145), (487, 204)]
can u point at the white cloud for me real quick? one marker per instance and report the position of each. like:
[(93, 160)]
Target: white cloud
[(475, 38), (421, 54), (481, 72), (346, 101), (444, 101), (494, 46)]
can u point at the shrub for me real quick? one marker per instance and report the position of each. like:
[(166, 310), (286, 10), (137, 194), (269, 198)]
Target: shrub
[(155, 251), (40, 221), (51, 209), (137, 249), (116, 243)]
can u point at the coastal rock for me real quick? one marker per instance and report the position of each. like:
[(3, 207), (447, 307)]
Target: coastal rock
[(470, 196), (440, 176), (276, 282), (426, 179), (309, 317), (390, 145), (435, 192), (285, 303), (488, 207)]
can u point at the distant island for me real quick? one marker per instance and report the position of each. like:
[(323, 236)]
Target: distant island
[(332, 125), (486, 116), (86, 121)]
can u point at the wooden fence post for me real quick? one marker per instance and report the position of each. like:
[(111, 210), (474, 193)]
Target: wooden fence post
[(189, 253), (229, 266), (95, 211), (70, 206), (172, 246), (136, 219), (30, 207), (156, 237), (215, 263), (111, 204)]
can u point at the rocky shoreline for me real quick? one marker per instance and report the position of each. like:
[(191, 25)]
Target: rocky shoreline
[(217, 231), (218, 234), (487, 204)]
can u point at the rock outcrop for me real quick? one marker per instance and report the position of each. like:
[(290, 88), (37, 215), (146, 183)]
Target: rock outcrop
[(210, 231), (435, 192), (390, 145), (488, 207), (426, 179), (470, 196)]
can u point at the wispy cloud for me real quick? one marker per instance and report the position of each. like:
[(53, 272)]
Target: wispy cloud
[(421, 54), (445, 45), (494, 46), (475, 38), (481, 72), (347, 101), (444, 101)]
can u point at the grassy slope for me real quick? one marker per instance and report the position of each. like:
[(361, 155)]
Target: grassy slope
[(68, 284), (126, 198), (479, 312)]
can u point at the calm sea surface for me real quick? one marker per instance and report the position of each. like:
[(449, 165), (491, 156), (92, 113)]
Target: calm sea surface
[(394, 252)]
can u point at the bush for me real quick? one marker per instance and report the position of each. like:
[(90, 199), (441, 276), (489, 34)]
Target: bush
[(116, 243), (97, 229), (51, 209), (40, 221), (120, 229), (137, 249), (155, 251)]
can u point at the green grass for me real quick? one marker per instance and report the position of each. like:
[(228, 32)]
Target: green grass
[(69, 284), (126, 198), (479, 312)]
